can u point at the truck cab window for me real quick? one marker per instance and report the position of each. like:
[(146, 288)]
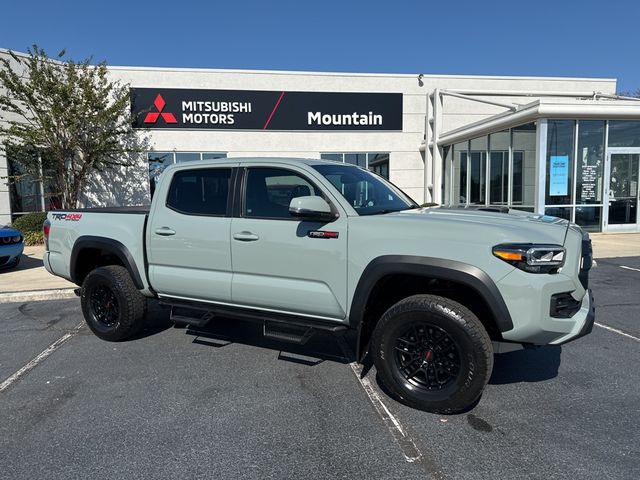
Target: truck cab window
[(270, 190), (200, 192)]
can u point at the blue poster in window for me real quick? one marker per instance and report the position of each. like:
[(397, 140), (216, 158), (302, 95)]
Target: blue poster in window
[(559, 176)]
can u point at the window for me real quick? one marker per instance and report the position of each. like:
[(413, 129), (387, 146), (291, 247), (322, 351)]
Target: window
[(376, 162), (366, 193), (379, 164), (624, 133), (590, 162), (159, 161), (460, 152), (269, 192), (559, 162), (499, 168), (200, 192), (182, 157), (25, 193), (523, 173), (478, 170)]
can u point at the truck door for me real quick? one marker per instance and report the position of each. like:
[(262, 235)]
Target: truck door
[(277, 264), (188, 234)]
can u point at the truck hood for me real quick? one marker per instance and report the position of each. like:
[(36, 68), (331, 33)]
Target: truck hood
[(514, 226)]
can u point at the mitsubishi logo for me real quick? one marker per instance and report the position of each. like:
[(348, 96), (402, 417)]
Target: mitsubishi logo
[(152, 117)]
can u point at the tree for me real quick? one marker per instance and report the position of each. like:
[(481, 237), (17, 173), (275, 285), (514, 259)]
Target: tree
[(61, 121), (630, 93)]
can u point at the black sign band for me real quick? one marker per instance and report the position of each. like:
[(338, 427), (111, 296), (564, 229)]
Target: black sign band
[(173, 108)]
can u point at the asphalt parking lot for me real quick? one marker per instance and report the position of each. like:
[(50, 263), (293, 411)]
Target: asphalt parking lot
[(225, 403)]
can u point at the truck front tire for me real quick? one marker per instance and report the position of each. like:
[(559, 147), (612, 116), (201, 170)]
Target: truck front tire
[(112, 306), (432, 353)]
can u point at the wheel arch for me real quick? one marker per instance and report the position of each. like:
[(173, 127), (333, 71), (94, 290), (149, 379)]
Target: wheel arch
[(90, 252), (428, 272)]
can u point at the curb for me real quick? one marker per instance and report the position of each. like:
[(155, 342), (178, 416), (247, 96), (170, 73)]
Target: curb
[(37, 295)]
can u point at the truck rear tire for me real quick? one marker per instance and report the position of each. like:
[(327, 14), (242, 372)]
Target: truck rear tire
[(432, 353), (112, 306)]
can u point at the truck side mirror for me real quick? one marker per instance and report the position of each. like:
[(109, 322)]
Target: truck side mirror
[(311, 208)]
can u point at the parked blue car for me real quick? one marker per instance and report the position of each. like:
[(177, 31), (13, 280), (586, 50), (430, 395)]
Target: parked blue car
[(11, 247)]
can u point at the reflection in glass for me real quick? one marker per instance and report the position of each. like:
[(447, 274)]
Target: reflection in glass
[(590, 161), (560, 212), (589, 218)]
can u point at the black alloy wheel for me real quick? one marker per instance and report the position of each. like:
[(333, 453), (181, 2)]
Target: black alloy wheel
[(427, 357), (104, 306)]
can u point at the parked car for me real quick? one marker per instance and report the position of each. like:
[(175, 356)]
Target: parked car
[(11, 247), (307, 245)]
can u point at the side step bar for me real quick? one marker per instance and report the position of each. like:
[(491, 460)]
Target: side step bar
[(190, 316), (285, 328)]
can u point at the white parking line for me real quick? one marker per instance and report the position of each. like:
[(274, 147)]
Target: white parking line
[(39, 358), (407, 445), (615, 330), (630, 268)]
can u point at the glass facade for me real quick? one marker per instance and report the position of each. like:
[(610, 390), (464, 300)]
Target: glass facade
[(376, 162), (500, 169), (497, 169)]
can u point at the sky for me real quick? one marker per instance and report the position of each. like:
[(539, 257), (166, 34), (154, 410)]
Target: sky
[(540, 38)]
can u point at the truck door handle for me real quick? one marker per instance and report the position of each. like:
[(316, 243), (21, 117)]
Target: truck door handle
[(165, 231), (245, 236)]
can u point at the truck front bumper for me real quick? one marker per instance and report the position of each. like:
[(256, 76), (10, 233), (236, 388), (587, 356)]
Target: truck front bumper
[(586, 317), (536, 318)]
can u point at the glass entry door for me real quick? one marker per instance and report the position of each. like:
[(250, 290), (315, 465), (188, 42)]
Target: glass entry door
[(624, 179)]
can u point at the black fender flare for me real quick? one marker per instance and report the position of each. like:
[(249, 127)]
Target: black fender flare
[(438, 268), (111, 246)]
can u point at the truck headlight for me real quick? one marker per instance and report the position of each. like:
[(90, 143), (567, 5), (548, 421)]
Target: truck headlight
[(531, 257)]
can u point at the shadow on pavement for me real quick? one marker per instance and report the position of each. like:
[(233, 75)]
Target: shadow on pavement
[(157, 320), (28, 262), (222, 332), (526, 365)]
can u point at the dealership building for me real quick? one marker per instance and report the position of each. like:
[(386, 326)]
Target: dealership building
[(567, 147)]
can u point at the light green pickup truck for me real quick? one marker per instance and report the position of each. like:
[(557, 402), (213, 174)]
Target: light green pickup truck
[(306, 245)]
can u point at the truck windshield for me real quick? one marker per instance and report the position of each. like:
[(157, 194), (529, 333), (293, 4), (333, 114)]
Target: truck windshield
[(366, 192)]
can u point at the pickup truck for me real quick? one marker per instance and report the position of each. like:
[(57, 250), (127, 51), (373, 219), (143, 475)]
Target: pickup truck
[(307, 246)]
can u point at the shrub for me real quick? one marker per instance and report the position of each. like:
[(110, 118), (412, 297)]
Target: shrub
[(31, 227)]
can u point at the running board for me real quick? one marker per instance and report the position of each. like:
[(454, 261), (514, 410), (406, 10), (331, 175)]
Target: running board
[(287, 333), (286, 328), (190, 316)]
